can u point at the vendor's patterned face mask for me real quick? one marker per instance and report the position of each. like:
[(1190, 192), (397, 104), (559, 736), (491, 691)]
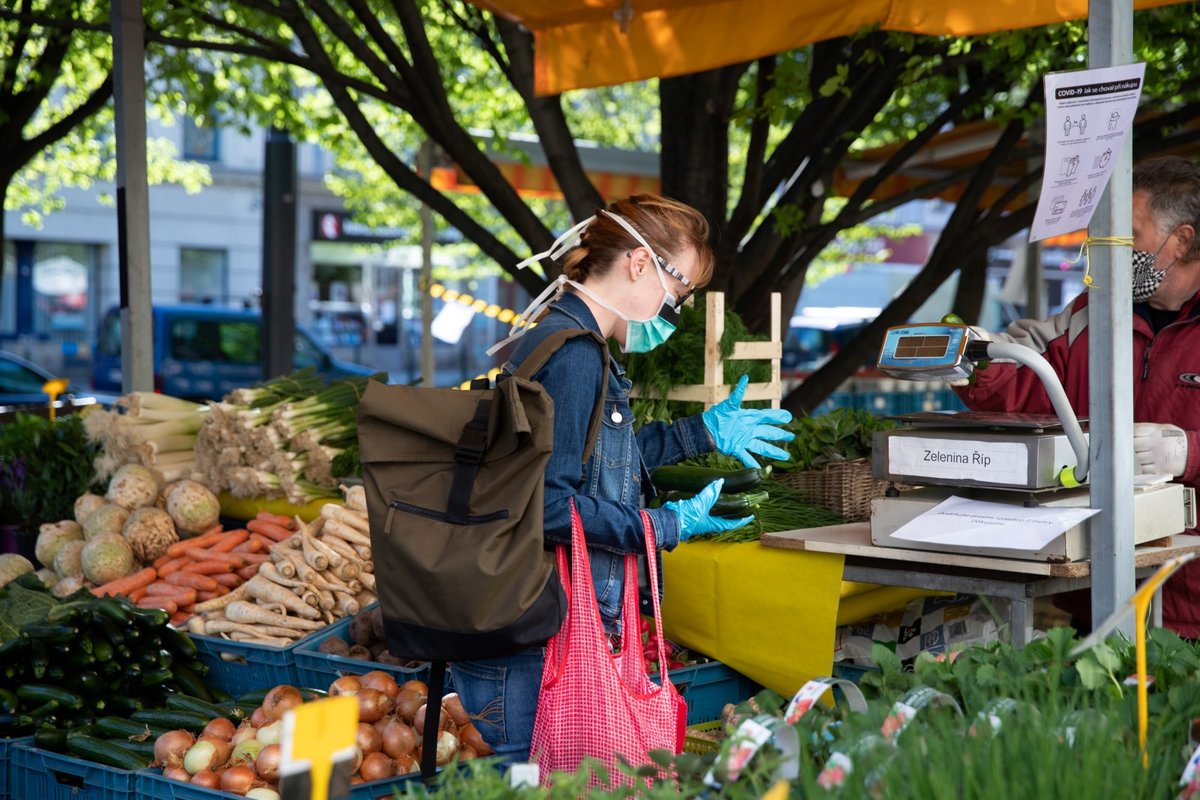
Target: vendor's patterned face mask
[(1147, 279)]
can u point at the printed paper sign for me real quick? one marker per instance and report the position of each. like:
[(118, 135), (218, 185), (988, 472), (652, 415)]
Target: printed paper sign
[(1088, 115), (971, 523)]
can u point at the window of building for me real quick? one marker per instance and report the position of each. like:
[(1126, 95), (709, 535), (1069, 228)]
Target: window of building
[(202, 274), (200, 142)]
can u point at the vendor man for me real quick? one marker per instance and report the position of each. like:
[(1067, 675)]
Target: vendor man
[(1166, 351)]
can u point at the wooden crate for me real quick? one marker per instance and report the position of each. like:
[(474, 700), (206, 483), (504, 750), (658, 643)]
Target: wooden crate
[(714, 389)]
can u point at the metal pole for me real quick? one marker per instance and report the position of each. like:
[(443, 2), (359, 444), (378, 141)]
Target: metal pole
[(425, 168), (279, 254), (133, 197), (1110, 360)]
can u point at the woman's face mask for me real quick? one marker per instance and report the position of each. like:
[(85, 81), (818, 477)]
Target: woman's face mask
[(1147, 279)]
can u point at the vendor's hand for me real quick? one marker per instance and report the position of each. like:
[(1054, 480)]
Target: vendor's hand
[(738, 431), (982, 335), (1159, 449), (695, 513)]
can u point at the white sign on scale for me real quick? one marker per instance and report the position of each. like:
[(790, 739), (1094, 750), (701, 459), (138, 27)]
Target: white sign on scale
[(1088, 115)]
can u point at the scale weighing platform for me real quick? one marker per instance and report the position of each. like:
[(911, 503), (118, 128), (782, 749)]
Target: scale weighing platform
[(1021, 459)]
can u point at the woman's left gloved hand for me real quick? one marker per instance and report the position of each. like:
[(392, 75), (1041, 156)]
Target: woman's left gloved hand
[(738, 431)]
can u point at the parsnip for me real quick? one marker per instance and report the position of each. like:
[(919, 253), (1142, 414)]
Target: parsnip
[(345, 515), (241, 611), (265, 591)]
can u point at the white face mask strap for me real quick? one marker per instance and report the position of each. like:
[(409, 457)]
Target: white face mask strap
[(568, 239), (521, 322), (633, 232)]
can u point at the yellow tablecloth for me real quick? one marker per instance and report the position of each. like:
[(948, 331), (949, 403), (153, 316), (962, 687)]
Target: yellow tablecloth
[(768, 613)]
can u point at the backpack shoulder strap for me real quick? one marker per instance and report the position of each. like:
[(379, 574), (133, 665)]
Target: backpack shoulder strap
[(548, 347)]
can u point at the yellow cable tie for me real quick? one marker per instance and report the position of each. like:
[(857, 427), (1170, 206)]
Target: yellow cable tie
[(1085, 253)]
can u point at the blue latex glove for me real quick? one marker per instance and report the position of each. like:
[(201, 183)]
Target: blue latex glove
[(741, 431), (695, 517)]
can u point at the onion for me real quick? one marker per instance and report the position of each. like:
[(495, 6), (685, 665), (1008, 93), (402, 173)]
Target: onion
[(399, 738), (447, 746), (419, 720), (224, 748), (471, 737), (177, 774), (246, 752), (466, 753), (219, 727), (267, 763), (382, 722), (203, 756), (207, 778), (280, 700), (238, 780), (263, 793), (420, 687), (406, 764), (377, 766), (373, 705), (378, 679), (245, 732), (170, 748), (407, 703), (368, 738), (347, 684), (258, 718), (271, 733), (452, 704)]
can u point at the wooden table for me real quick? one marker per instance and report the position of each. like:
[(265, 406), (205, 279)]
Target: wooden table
[(1016, 581)]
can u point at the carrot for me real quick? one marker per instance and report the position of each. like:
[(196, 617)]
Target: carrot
[(251, 545), (209, 567), (281, 520), (180, 594), (236, 559), (228, 579), (214, 530), (255, 558), (265, 541), (230, 540), (192, 580), (128, 583), (156, 601), (174, 565), (137, 594), (271, 530), (203, 540), (246, 573), (179, 618), (202, 596), (164, 558)]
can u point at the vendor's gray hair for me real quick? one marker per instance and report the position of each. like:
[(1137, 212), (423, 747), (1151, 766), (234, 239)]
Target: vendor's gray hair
[(1173, 186)]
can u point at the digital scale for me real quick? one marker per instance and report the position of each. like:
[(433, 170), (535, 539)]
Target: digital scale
[(1022, 459)]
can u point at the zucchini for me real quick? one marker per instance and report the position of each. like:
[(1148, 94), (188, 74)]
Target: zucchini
[(252, 698), (178, 643), (50, 633), (47, 738), (194, 705), (8, 701), (121, 728), (38, 693), (727, 505), (689, 478), (171, 719), (189, 681), (15, 724), (103, 751)]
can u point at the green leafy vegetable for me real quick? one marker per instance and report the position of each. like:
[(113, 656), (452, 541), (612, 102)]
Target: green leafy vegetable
[(20, 606), (843, 434)]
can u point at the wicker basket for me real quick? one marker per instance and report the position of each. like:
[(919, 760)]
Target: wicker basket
[(845, 488)]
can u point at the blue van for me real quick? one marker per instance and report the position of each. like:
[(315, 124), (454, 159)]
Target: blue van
[(204, 352)]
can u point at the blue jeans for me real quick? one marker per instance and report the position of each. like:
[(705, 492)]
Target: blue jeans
[(501, 695)]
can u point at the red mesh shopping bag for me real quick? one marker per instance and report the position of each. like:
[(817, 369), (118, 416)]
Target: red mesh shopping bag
[(594, 704)]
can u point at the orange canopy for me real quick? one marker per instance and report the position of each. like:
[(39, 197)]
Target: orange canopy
[(582, 43)]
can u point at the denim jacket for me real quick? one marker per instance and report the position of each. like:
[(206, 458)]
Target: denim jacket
[(611, 490)]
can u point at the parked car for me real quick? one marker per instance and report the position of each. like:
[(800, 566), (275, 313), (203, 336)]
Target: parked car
[(813, 340), (21, 385), (204, 352)]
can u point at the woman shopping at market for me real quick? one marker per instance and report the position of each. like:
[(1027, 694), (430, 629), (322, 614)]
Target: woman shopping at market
[(627, 270)]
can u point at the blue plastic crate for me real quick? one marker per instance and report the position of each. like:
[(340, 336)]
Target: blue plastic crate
[(44, 775), (153, 786), (6, 746), (239, 667), (708, 687), (851, 672), (317, 670)]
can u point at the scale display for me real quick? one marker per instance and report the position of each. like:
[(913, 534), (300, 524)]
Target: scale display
[(932, 351)]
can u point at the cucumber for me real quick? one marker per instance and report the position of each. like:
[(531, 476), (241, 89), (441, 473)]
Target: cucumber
[(688, 478), (103, 751), (121, 728), (170, 719), (727, 505)]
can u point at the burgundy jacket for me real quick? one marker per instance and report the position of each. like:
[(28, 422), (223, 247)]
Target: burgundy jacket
[(1166, 389)]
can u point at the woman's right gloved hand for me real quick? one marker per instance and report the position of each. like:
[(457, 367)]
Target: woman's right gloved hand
[(695, 513)]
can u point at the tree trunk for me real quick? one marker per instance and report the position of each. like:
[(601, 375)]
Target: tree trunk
[(695, 111), (972, 283)]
